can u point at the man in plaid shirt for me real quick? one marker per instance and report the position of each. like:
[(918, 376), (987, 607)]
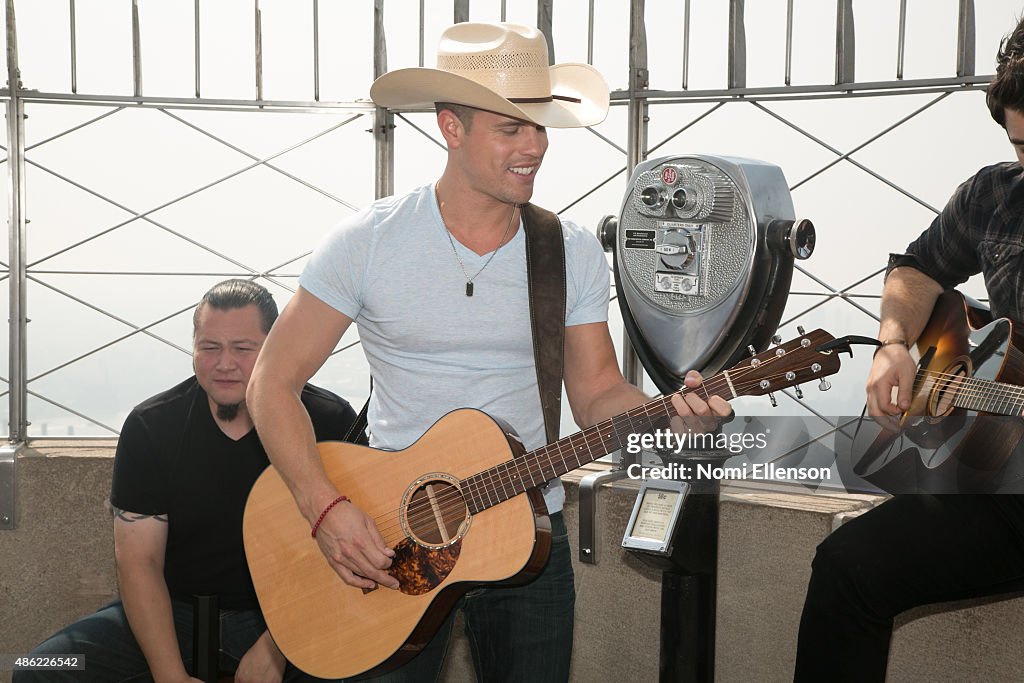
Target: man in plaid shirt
[(920, 549)]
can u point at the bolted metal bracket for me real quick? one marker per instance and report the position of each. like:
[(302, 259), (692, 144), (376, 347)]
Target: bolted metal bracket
[(589, 485), (8, 485)]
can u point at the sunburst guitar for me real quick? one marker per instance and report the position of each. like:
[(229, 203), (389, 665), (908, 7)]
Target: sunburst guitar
[(969, 365), (461, 509)]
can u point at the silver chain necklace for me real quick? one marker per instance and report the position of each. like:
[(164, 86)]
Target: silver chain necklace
[(462, 266)]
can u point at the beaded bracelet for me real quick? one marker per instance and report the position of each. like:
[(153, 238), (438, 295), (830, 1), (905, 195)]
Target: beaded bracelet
[(339, 499)]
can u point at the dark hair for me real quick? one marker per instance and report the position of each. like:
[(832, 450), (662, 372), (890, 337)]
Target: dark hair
[(1007, 87), (462, 112), (231, 294)]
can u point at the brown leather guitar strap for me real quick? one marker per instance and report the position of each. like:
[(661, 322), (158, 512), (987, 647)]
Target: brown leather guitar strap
[(545, 272)]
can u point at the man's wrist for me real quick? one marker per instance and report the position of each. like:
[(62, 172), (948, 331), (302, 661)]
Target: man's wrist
[(892, 341)]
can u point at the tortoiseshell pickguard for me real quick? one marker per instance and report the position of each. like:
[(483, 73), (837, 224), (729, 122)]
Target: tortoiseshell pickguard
[(420, 570)]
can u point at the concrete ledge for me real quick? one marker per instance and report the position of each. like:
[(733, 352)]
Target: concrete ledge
[(970, 640), (766, 542), (58, 565)]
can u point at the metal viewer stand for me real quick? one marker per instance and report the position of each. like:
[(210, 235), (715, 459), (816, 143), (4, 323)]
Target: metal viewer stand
[(703, 254), (685, 515)]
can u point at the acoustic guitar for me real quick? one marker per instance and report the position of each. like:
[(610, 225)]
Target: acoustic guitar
[(970, 369), (461, 509)]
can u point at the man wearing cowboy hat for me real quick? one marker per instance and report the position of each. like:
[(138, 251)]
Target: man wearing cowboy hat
[(436, 282)]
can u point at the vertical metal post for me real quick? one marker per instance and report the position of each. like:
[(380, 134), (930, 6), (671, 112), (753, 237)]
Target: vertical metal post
[(205, 637), (686, 45), (965, 39), (17, 317), (195, 35), (423, 19), (545, 19), (789, 42), (590, 30), (17, 320), (316, 50), (845, 44), (737, 46), (8, 486), (383, 119), (902, 40), (74, 46), (258, 16), (636, 151), (136, 51), (636, 143), (461, 11)]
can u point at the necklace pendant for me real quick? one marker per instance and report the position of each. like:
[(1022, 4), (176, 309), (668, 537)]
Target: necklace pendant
[(469, 289)]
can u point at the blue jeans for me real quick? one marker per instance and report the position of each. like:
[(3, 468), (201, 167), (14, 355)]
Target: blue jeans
[(113, 656), (520, 633)]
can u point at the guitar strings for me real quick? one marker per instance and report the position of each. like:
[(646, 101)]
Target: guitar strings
[(977, 387), (455, 507), (974, 387), (452, 500), (424, 510)]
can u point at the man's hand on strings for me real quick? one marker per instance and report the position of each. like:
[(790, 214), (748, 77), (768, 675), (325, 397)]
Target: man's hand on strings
[(695, 412), (354, 547), (893, 368)]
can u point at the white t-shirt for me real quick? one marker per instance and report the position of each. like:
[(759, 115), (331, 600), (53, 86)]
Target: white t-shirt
[(431, 349)]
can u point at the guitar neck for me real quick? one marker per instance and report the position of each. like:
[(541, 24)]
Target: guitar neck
[(787, 365), (988, 396), (512, 477)]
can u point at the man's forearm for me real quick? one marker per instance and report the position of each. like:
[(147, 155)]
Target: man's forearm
[(263, 661), (613, 401), (287, 435), (907, 301), (147, 603)]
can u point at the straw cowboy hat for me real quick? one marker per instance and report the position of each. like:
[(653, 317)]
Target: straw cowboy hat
[(502, 68)]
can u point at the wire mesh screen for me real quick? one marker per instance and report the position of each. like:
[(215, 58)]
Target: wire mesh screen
[(170, 145)]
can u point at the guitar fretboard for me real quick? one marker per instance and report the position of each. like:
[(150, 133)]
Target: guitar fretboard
[(515, 476), (989, 397), (777, 368)]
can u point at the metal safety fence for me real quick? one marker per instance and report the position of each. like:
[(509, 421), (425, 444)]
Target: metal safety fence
[(131, 189)]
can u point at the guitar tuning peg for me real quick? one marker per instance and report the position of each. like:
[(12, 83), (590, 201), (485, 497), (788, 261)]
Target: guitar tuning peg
[(753, 351), (800, 330), (771, 397), (776, 339), (799, 391), (824, 385)]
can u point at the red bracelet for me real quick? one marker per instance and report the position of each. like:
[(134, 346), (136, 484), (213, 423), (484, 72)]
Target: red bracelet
[(339, 499)]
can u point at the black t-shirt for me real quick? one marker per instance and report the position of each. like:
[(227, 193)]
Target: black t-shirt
[(173, 459)]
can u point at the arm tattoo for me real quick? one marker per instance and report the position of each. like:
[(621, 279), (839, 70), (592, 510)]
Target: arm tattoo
[(131, 517)]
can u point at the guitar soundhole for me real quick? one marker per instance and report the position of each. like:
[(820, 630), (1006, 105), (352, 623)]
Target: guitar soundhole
[(434, 513), (947, 385)]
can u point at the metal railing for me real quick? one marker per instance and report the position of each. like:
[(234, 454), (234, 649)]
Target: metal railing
[(642, 104)]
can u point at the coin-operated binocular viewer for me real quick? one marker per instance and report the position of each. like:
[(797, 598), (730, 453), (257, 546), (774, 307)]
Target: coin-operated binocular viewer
[(704, 248)]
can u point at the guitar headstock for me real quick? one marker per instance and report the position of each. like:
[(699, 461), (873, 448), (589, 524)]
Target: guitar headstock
[(786, 365)]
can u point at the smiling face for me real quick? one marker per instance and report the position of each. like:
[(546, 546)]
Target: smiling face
[(224, 350), (496, 156)]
